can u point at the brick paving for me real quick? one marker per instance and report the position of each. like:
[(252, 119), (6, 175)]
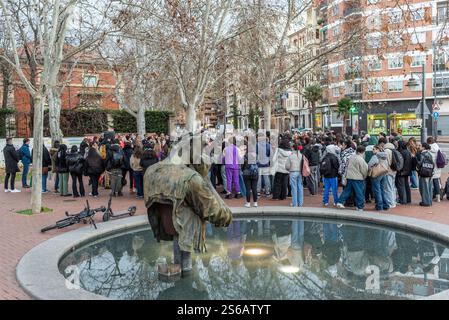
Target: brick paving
[(20, 233)]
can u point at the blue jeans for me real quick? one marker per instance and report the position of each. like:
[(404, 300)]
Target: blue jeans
[(242, 184), (26, 169), (389, 190), (56, 181), (266, 181), (414, 180), (359, 190), (44, 182), (379, 193), (330, 183), (426, 190), (138, 176), (297, 189), (297, 234)]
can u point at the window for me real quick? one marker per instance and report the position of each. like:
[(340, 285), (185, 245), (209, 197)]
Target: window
[(335, 10), (394, 39), (374, 64), (395, 86), (373, 1), (418, 77), (335, 118), (418, 37), (373, 22), (395, 16), (418, 60), (357, 88), (335, 71), (375, 86), (89, 80), (336, 92), (296, 101), (395, 62), (374, 42), (442, 12), (417, 14)]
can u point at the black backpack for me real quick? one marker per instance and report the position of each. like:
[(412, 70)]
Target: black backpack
[(117, 159), (326, 166), (397, 160), (426, 167)]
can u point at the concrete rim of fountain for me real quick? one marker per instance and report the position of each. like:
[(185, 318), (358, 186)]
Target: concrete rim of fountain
[(38, 274)]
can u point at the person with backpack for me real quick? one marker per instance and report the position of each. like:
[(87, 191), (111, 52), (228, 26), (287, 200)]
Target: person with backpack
[(356, 173), (75, 162), (440, 162), (425, 169), (312, 153), (294, 166), (395, 163), (25, 157), (63, 170), (128, 151), (11, 157), (329, 170), (402, 177), (94, 167), (250, 172), (378, 169), (115, 162)]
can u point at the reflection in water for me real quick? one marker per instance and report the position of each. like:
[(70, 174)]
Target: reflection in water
[(277, 259)]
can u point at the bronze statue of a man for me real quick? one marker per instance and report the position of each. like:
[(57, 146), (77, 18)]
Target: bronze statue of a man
[(180, 200)]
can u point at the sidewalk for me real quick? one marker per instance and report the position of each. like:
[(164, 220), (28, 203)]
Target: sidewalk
[(19, 233)]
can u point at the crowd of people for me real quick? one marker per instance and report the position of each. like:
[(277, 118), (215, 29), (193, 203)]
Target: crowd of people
[(381, 169), (111, 160)]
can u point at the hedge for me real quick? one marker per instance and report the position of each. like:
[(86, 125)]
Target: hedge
[(78, 122), (4, 112)]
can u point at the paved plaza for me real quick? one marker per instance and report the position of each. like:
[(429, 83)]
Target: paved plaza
[(19, 233)]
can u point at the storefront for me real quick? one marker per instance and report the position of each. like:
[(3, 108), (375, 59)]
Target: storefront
[(393, 116)]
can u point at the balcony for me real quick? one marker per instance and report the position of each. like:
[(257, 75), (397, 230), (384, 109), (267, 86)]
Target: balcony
[(353, 75), (354, 95)]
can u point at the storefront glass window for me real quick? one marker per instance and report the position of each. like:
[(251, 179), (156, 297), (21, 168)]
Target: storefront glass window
[(318, 120), (377, 123), (406, 124)]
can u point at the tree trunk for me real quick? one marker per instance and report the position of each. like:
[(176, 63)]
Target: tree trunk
[(190, 118), (313, 110), (54, 104), (36, 191), (267, 115), (141, 130), (343, 130), (6, 83)]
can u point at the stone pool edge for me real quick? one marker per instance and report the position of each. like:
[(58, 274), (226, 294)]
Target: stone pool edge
[(38, 274)]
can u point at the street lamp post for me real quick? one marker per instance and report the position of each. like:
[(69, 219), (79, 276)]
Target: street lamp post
[(413, 83)]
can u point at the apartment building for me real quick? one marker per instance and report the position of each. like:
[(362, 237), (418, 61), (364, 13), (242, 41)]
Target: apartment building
[(388, 43)]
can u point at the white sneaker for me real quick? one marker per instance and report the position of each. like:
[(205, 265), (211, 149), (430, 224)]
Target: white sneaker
[(255, 205), (438, 198), (247, 205), (15, 190), (7, 190), (340, 206)]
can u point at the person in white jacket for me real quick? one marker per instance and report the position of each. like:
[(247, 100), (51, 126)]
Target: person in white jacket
[(280, 182), (434, 148)]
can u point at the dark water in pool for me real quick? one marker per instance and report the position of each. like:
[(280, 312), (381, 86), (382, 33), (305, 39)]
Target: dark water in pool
[(269, 259)]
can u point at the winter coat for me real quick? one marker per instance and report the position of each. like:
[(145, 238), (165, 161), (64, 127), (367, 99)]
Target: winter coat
[(46, 158), (231, 157), (53, 154), (357, 168), (334, 164), (94, 163), (26, 154), (61, 160), (344, 157), (83, 147), (313, 155), (11, 158), (128, 152), (114, 150), (408, 163), (264, 153), (281, 159), (147, 161), (293, 163), (134, 163), (75, 162), (434, 152)]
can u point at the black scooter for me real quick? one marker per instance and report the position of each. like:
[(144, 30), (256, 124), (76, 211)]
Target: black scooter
[(109, 214)]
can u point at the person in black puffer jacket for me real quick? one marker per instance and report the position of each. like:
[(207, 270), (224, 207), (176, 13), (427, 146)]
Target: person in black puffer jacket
[(11, 157), (115, 163), (148, 158), (75, 162), (403, 175), (128, 152), (63, 170), (94, 167), (312, 153)]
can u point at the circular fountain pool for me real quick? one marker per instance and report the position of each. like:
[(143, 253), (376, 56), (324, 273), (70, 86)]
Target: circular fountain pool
[(258, 259)]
